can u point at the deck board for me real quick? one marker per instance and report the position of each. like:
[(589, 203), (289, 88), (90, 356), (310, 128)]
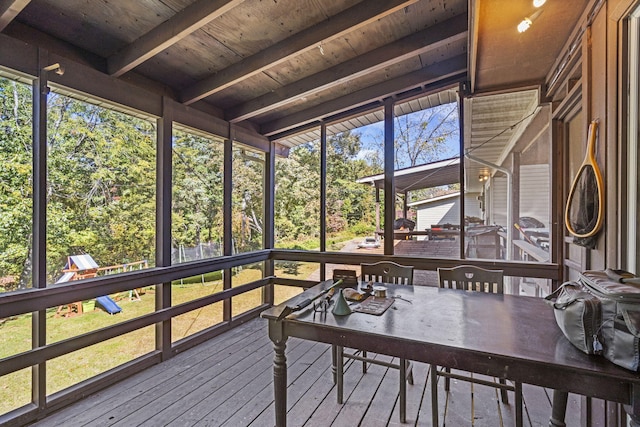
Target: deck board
[(248, 380), (163, 402), (384, 396), (301, 373), (99, 407), (227, 381)]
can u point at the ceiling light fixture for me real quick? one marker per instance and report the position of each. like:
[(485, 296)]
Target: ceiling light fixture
[(538, 3), (526, 22)]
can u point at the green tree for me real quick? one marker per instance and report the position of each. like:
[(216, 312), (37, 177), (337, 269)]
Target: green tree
[(298, 188), (101, 184), (197, 189), (15, 182), (297, 202), (348, 202), (247, 199)]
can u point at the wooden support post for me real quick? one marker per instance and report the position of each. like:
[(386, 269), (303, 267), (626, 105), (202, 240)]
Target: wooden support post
[(39, 225), (226, 214), (164, 168), (323, 196), (268, 229), (389, 182), (461, 95)]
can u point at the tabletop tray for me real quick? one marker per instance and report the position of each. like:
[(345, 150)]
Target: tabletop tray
[(373, 305)]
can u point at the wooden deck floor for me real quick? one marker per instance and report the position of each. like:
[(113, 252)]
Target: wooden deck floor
[(227, 381)]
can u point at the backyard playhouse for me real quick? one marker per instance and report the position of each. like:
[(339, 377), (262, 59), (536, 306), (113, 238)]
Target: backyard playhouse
[(83, 267)]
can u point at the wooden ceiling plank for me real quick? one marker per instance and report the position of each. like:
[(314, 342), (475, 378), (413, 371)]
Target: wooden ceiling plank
[(9, 9), (440, 71), (183, 23), (355, 17), (440, 34)]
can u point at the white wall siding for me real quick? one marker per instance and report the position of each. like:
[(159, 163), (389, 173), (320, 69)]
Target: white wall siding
[(534, 195), (498, 204), (472, 205), (534, 192), (446, 211)]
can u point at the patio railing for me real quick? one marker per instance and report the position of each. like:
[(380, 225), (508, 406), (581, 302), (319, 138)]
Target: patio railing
[(37, 301)]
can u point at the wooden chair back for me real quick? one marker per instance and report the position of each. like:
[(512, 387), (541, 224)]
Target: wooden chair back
[(387, 272), (471, 278)]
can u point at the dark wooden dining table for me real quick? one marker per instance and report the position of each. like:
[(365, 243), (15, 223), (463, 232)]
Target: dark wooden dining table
[(504, 336)]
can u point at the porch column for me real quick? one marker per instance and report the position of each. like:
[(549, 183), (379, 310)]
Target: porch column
[(227, 238), (389, 184), (39, 225), (163, 222), (268, 228), (405, 208), (515, 200), (323, 196), (462, 92), (377, 209)]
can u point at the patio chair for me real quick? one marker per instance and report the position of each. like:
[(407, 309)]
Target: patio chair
[(470, 278), (381, 272)]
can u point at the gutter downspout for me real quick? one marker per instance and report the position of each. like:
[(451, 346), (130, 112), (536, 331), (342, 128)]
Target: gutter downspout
[(509, 195)]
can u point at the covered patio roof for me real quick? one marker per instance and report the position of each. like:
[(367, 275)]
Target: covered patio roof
[(442, 172), (282, 68)]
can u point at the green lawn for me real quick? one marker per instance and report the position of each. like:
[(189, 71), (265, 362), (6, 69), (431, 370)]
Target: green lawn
[(65, 371)]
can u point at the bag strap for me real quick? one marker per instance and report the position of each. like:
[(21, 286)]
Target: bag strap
[(551, 299)]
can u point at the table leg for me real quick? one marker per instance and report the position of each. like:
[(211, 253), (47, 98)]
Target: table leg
[(279, 372), (434, 395), (334, 355), (558, 409), (403, 390), (339, 373), (633, 410), (518, 399)]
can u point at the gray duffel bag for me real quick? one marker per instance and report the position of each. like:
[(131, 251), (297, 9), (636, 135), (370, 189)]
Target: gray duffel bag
[(600, 314)]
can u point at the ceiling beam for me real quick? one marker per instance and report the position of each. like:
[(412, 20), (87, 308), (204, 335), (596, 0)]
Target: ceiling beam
[(456, 66), (9, 9), (351, 19), (180, 25), (431, 38)]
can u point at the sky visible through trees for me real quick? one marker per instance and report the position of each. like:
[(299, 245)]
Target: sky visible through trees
[(422, 137)]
